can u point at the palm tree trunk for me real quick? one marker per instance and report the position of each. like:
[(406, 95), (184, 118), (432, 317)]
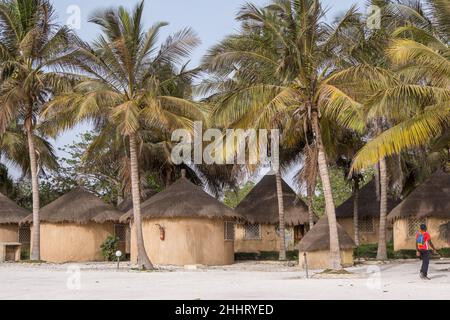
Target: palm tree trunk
[(168, 178), (382, 251), (36, 236), (355, 211), (335, 254), (377, 180), (142, 258), (310, 195), (282, 255)]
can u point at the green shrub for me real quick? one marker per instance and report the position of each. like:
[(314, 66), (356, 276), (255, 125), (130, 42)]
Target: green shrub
[(369, 251), (25, 254), (109, 248), (405, 254), (265, 255), (444, 252), (366, 251)]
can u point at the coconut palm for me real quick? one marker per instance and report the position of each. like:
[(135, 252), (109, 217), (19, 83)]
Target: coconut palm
[(423, 112), (278, 67), (404, 88), (130, 84), (31, 46)]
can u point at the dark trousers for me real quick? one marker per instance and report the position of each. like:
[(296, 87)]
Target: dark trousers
[(425, 257)]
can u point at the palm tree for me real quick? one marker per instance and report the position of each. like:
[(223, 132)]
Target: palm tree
[(278, 67), (420, 93), (31, 45), (132, 86), (404, 88)]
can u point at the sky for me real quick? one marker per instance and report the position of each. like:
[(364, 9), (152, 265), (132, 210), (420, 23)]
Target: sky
[(210, 19)]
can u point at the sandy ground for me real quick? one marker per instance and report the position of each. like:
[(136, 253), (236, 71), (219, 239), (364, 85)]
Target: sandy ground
[(243, 280)]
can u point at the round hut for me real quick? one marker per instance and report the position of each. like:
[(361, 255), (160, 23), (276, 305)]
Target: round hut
[(10, 216), (260, 232), (316, 245), (74, 226), (429, 203), (184, 225), (368, 214)]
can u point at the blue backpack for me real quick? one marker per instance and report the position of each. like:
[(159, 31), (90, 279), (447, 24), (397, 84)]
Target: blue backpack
[(420, 240)]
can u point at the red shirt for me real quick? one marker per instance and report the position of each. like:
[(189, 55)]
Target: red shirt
[(422, 240)]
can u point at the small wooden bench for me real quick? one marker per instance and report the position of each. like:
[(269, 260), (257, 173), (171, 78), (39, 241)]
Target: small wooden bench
[(10, 251)]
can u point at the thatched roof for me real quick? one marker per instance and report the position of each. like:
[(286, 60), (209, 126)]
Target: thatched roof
[(430, 199), (368, 205), (318, 238), (127, 203), (10, 212), (79, 206), (183, 199), (261, 204)]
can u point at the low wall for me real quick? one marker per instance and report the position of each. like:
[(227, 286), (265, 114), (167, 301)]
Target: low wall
[(187, 241)]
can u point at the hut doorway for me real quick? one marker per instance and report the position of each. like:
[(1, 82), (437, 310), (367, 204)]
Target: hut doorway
[(24, 237), (121, 232), (299, 232)]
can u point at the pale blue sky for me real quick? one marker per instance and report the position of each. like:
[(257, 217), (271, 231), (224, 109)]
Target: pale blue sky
[(210, 19)]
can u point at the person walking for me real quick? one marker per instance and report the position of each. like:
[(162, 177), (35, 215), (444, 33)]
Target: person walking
[(423, 244)]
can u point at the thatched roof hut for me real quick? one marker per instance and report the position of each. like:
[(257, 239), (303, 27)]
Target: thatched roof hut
[(261, 204), (183, 199), (368, 205), (314, 248), (184, 225), (318, 238), (74, 226), (430, 199), (10, 212), (77, 206)]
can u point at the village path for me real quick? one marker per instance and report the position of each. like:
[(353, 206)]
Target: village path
[(244, 280)]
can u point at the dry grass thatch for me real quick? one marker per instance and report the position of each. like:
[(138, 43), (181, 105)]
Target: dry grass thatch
[(127, 203), (368, 205), (183, 199), (10, 212), (318, 238), (77, 206), (430, 199), (261, 204)]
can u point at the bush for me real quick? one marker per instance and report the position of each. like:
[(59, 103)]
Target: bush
[(109, 248), (265, 255), (369, 251), (366, 251), (444, 252), (25, 254)]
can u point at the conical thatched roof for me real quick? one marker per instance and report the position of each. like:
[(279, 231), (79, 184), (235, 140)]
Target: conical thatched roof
[(261, 204), (430, 199), (127, 203), (79, 206), (10, 212), (318, 238), (368, 205), (183, 199)]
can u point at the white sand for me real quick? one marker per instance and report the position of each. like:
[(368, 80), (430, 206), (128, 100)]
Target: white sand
[(244, 280)]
